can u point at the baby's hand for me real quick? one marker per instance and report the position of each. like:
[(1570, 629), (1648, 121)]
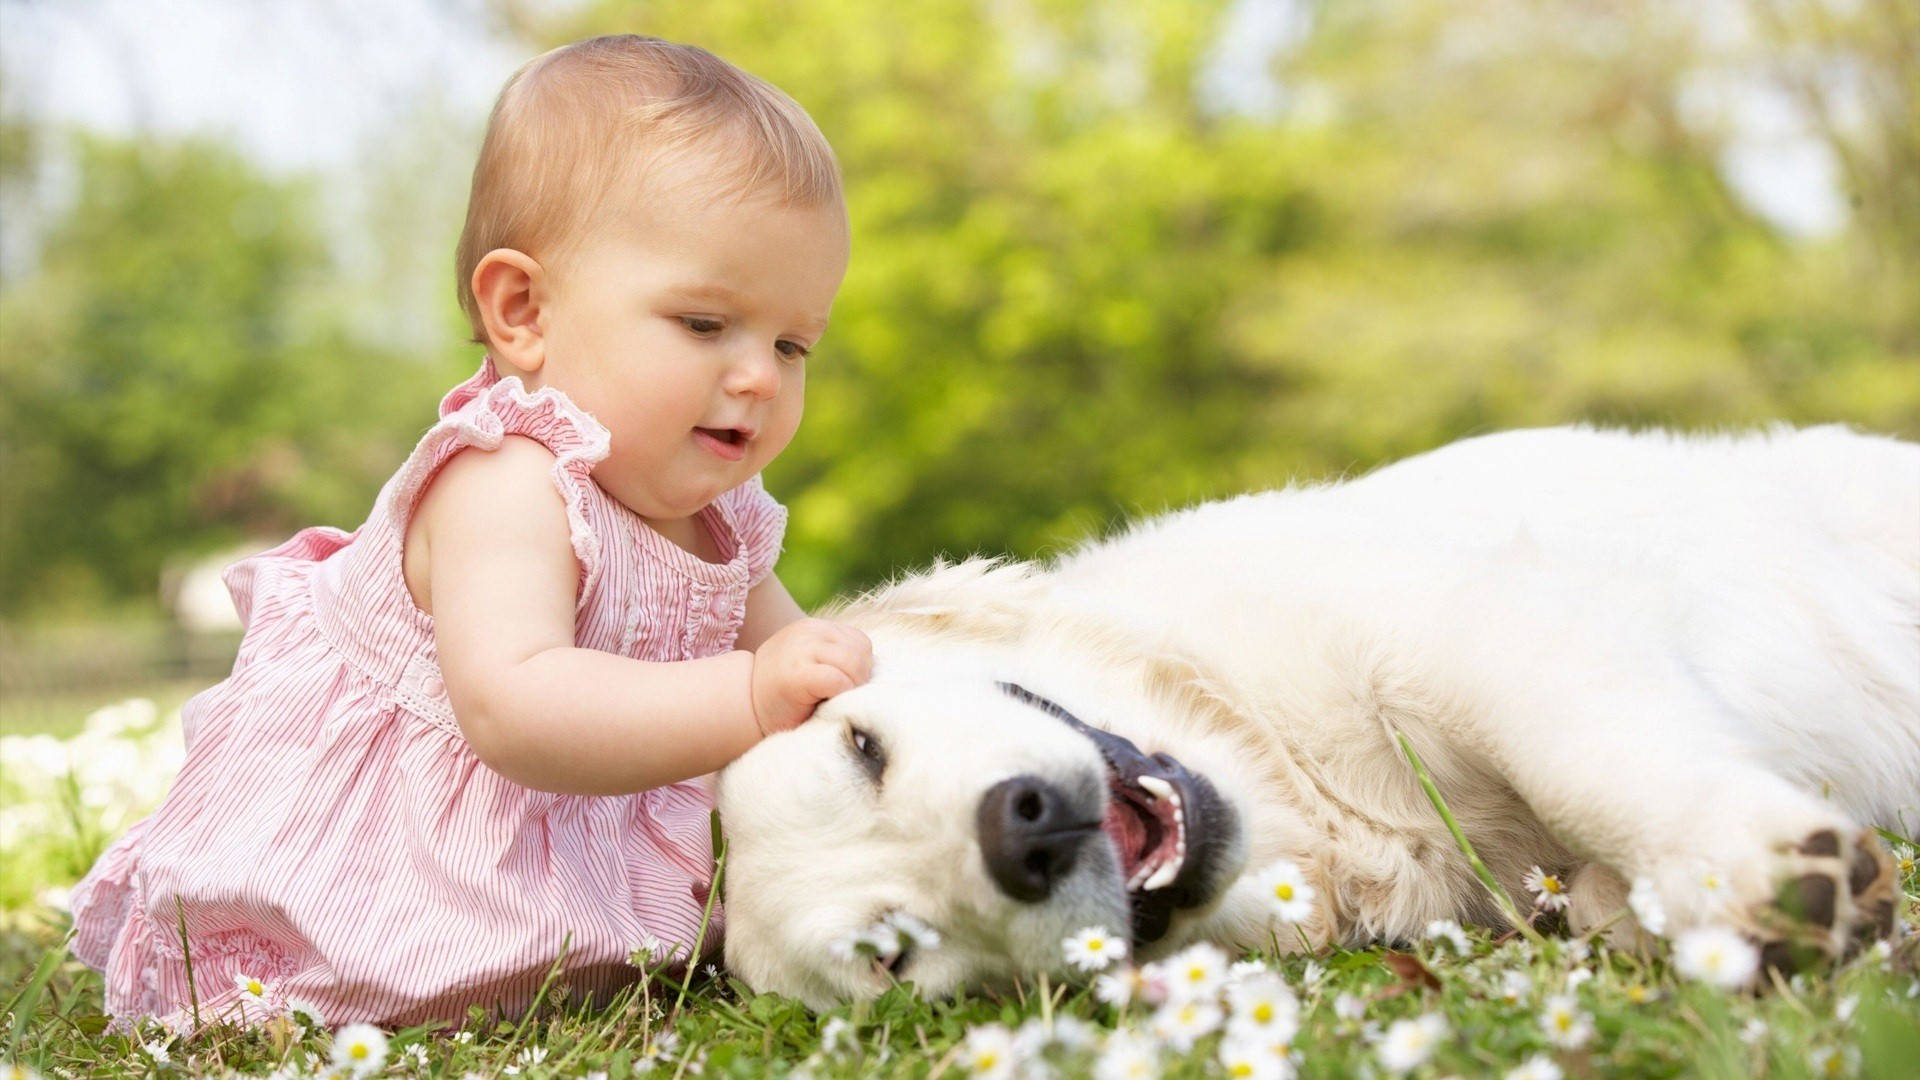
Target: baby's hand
[(803, 664)]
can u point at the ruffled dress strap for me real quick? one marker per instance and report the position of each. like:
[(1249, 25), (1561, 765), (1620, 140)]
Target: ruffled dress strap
[(360, 598), (758, 523), (484, 410)]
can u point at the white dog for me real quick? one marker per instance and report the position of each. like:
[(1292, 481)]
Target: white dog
[(1690, 660)]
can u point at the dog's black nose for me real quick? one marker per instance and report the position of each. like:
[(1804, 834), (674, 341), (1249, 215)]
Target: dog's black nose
[(1029, 836)]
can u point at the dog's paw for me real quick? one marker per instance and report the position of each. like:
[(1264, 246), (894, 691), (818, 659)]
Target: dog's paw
[(1874, 878), (1831, 894)]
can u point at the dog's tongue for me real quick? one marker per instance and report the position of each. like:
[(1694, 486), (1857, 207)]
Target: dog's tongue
[(1128, 832)]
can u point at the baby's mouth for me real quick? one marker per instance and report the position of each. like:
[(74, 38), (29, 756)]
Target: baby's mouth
[(730, 444)]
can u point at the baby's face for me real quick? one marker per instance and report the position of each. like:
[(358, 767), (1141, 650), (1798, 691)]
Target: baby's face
[(683, 326)]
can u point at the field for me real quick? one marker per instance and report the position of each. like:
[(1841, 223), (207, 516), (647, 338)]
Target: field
[(1458, 1003)]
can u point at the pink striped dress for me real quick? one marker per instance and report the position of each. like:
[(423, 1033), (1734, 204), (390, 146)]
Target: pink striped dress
[(332, 834)]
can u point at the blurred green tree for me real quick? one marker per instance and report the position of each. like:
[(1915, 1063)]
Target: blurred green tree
[(1083, 287), (1080, 291), (170, 379)]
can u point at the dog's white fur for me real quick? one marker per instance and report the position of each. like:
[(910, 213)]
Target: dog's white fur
[(1618, 655)]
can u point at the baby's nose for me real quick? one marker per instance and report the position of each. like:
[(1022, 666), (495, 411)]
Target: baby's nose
[(755, 374)]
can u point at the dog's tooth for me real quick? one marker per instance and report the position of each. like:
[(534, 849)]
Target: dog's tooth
[(1164, 876), (1157, 787)]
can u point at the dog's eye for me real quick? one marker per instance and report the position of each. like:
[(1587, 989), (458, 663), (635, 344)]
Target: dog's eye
[(868, 747)]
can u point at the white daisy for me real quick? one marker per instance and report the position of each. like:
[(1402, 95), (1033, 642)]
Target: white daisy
[(660, 1049), (835, 1035), (532, 1055), (1537, 1067), (1754, 1032), (875, 941), (1882, 954), (1566, 1026), (1349, 1007), (1713, 883), (1117, 988), (1244, 969), (1251, 1059), (650, 951), (157, 1050), (1153, 983), (911, 932), (1196, 971), (1448, 931), (1829, 1061), (1515, 985), (1408, 1043), (1286, 889), (1311, 975), (251, 989), (989, 1051), (1578, 976), (1641, 993), (1717, 956), (1263, 1008), (1644, 901), (1094, 949), (360, 1049), (1843, 1009), (1180, 1023), (1549, 891), (1071, 1033), (1127, 1056)]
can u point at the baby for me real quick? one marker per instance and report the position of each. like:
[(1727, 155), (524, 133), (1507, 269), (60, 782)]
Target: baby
[(470, 738)]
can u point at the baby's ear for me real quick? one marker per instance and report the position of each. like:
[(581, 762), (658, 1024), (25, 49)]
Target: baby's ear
[(508, 289)]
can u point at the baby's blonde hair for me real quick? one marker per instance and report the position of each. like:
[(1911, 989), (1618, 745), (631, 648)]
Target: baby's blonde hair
[(575, 122)]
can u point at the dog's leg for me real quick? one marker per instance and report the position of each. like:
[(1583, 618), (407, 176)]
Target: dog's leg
[(1648, 777)]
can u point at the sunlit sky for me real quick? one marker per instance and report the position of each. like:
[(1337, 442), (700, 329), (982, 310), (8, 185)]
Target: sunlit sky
[(301, 84)]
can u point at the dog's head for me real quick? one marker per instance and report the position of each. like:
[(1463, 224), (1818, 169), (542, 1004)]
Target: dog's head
[(978, 808)]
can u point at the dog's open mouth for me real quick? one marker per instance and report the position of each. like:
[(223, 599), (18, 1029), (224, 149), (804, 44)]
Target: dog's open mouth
[(1170, 829), (1148, 829)]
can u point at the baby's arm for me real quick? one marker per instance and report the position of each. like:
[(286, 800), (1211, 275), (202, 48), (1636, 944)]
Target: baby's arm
[(501, 582)]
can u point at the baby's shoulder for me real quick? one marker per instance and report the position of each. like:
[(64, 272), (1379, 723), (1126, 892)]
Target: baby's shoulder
[(518, 471), (481, 498)]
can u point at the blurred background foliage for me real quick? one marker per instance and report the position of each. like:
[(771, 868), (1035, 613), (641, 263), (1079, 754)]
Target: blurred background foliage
[(1089, 281)]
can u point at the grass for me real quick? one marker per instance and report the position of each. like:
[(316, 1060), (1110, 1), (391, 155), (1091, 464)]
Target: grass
[(1646, 1023), (1860, 1019)]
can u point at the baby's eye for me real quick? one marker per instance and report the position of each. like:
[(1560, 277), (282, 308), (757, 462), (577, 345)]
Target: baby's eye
[(700, 327), (793, 350)]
